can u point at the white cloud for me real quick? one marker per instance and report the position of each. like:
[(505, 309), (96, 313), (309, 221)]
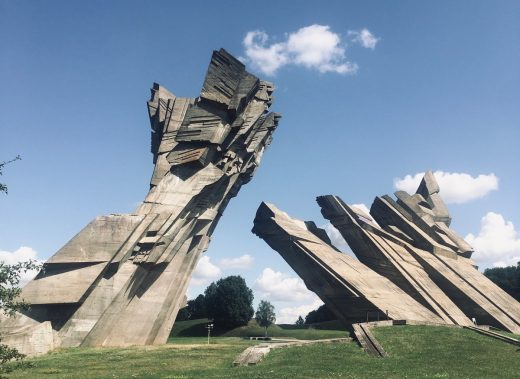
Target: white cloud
[(454, 187), (364, 37), (243, 262), (336, 238), (205, 272), (289, 315), (314, 47), (278, 286), (497, 243), (267, 59), (23, 254), (362, 207)]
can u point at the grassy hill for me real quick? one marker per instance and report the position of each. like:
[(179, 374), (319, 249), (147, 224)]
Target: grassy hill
[(197, 328), (414, 352)]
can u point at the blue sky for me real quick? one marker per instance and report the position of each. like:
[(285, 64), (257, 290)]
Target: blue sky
[(438, 89)]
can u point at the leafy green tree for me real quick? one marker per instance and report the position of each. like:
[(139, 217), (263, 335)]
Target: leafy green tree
[(507, 278), (229, 302), (183, 314), (320, 315), (197, 308), (10, 302), (265, 315), (3, 187), (300, 322), (10, 275)]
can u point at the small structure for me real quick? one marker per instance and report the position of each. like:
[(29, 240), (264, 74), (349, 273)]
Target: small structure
[(411, 265)]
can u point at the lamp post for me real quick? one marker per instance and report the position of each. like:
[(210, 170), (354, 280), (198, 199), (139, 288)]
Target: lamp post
[(209, 326)]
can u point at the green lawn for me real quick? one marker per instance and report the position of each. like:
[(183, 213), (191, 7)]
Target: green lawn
[(197, 328), (507, 334), (415, 352)]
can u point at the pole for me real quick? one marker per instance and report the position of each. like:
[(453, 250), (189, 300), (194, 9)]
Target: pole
[(209, 327)]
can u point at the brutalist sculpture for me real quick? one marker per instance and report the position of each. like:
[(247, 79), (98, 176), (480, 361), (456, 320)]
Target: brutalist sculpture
[(122, 279), (348, 287), (409, 243)]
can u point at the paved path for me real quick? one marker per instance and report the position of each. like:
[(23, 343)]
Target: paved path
[(254, 354)]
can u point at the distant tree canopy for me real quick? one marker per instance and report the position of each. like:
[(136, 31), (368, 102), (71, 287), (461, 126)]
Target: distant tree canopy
[(229, 302), (197, 307), (265, 315), (183, 314), (507, 278), (320, 315), (300, 321)]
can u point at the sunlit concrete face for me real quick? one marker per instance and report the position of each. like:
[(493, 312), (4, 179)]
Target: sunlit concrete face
[(121, 280), (411, 265)]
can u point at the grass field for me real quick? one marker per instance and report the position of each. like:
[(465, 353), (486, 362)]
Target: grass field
[(507, 334), (197, 328), (415, 352)]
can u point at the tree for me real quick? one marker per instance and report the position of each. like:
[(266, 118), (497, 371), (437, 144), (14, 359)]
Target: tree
[(229, 302), (183, 314), (320, 315), (300, 322), (3, 187), (265, 315), (10, 303), (197, 307), (507, 278)]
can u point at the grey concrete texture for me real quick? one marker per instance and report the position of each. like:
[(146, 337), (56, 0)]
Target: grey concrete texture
[(122, 279), (348, 287), (406, 251)]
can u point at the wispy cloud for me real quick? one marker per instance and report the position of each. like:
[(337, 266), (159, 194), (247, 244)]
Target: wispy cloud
[(364, 37), (454, 187), (23, 254), (314, 47), (336, 238), (242, 263), (497, 244), (289, 315), (205, 272), (278, 286)]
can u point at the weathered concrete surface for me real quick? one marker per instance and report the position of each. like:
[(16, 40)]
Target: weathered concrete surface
[(390, 257), (28, 336), (254, 354), (409, 242), (348, 287), (367, 340), (410, 261), (122, 279)]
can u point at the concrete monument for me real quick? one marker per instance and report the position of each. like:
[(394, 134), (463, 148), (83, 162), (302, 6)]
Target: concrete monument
[(121, 280), (406, 251)]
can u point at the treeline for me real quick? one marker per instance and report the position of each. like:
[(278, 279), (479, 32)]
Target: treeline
[(229, 303), (507, 278)]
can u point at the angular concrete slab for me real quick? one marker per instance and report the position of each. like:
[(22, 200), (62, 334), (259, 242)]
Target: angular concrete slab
[(350, 289), (413, 246), (122, 279)]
